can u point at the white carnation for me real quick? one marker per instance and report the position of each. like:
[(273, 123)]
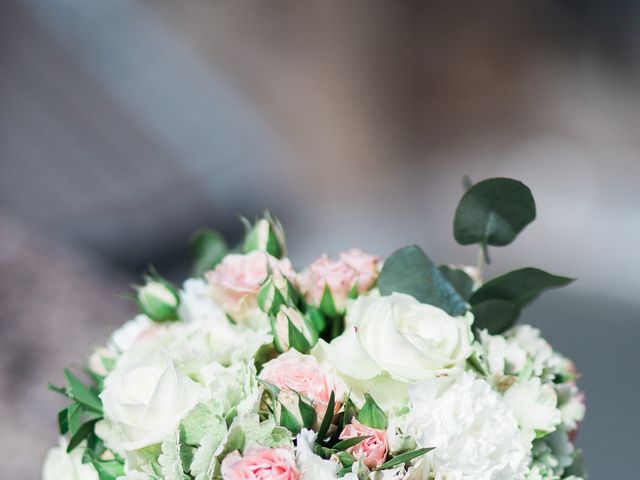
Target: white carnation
[(475, 434), (311, 465), (196, 303), (60, 465), (535, 407)]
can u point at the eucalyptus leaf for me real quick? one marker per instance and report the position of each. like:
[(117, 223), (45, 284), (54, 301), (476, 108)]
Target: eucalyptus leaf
[(493, 212), (519, 287), (409, 270), (495, 315), (208, 248), (460, 280)]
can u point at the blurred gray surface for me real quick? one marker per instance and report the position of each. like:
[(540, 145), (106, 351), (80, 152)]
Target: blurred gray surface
[(125, 125)]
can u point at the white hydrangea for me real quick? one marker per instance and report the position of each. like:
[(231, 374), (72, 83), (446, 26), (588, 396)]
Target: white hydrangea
[(475, 434), (534, 405), (538, 349)]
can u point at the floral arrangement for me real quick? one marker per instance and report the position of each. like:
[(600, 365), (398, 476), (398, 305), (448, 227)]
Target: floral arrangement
[(352, 367)]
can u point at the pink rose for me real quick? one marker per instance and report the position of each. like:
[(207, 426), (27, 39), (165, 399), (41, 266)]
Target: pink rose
[(373, 450), (260, 464), (236, 280), (303, 374), (365, 265), (354, 268)]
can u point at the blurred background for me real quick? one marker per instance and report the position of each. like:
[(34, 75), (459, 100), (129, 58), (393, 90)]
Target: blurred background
[(126, 125)]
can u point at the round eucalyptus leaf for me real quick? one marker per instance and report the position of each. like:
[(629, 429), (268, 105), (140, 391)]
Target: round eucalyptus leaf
[(493, 212)]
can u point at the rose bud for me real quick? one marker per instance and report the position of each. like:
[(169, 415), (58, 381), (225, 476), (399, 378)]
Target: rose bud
[(276, 291), (291, 329), (266, 235), (158, 300)]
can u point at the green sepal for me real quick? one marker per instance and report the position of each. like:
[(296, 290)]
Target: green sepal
[(307, 413), (346, 459), (297, 339), (371, 414), (327, 305), (289, 420)]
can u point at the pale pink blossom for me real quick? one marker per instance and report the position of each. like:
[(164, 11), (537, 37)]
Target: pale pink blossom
[(235, 282), (354, 269), (372, 450), (260, 464), (365, 265), (304, 375)]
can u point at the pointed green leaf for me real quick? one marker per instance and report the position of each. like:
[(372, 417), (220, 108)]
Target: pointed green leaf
[(519, 287), (327, 305), (73, 418), (493, 212), (327, 418), (81, 434), (409, 270), (307, 413), (81, 393), (108, 470), (404, 458), (350, 442), (289, 420), (495, 315)]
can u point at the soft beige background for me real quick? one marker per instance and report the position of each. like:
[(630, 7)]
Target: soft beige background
[(125, 125)]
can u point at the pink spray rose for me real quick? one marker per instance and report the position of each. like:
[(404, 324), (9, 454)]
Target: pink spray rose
[(260, 464), (236, 280), (354, 268), (303, 374), (373, 450)]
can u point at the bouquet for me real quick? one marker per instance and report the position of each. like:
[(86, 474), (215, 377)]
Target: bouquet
[(352, 367)]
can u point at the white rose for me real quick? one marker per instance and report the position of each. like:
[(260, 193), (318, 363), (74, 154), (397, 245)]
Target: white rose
[(60, 465), (145, 396), (399, 336), (534, 405)]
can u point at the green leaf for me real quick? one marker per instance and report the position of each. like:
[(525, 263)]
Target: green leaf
[(460, 280), (409, 270), (495, 315), (74, 412), (327, 418), (83, 432), (350, 442), (404, 458), (108, 470), (208, 248), (520, 287), (493, 212), (63, 421), (81, 393), (371, 414)]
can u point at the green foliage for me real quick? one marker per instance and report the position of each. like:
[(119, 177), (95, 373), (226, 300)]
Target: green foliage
[(460, 280), (108, 470), (208, 248), (78, 391), (371, 414), (519, 287), (327, 418), (493, 212), (404, 458), (409, 270), (495, 315)]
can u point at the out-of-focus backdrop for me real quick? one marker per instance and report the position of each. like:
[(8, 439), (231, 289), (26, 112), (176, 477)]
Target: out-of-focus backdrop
[(126, 125)]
